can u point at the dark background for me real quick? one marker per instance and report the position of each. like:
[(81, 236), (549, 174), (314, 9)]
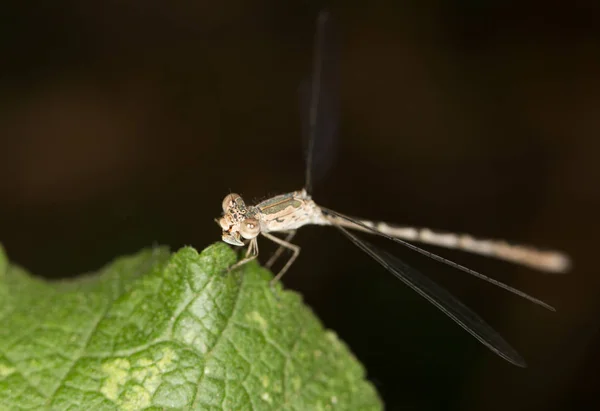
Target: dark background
[(124, 123)]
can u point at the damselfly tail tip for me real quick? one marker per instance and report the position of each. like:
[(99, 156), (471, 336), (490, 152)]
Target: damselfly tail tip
[(556, 262)]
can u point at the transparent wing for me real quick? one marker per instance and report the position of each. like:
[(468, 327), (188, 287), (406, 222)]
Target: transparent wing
[(442, 299), (319, 102), (440, 259)]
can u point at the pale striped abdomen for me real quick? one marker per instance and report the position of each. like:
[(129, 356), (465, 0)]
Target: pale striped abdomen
[(550, 261)]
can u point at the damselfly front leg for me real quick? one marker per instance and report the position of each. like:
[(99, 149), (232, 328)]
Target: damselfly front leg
[(251, 254)]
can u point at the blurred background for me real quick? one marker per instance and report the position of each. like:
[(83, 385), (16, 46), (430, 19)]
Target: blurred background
[(123, 124)]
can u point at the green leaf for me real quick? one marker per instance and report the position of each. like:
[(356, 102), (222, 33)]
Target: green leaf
[(169, 331)]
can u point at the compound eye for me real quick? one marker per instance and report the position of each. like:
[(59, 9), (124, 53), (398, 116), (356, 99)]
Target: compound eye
[(229, 201), (224, 223), (249, 228)]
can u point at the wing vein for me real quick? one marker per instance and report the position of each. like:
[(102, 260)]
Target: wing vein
[(441, 299)]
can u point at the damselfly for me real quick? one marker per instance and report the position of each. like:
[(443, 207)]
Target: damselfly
[(286, 213)]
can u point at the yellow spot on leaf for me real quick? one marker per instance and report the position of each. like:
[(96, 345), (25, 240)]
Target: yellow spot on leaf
[(143, 362), (255, 317), (117, 373), (266, 397), (167, 359), (149, 377), (6, 370), (135, 398)]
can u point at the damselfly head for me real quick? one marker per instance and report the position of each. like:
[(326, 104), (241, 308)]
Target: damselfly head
[(236, 222)]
